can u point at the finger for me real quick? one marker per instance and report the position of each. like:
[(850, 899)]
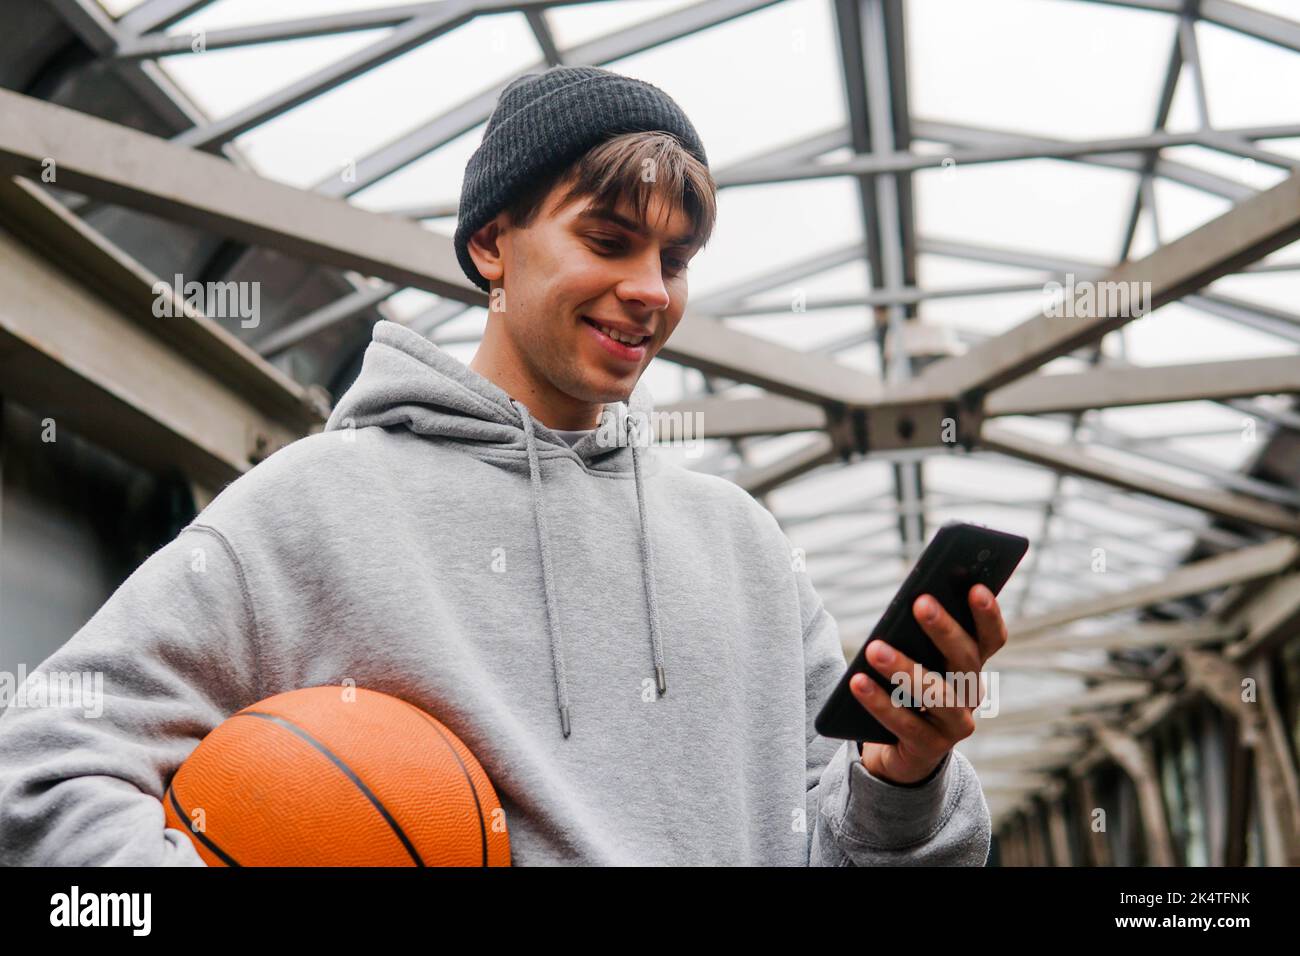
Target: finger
[(992, 629), (916, 735), (947, 706), (960, 651)]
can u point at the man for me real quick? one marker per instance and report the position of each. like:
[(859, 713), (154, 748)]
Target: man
[(627, 647)]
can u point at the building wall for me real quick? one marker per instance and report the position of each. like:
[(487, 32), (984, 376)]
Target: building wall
[(75, 521)]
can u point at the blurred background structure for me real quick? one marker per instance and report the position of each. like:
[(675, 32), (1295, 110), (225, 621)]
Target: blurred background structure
[(909, 190)]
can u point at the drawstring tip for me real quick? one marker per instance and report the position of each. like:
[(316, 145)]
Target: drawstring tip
[(564, 720), (659, 678)]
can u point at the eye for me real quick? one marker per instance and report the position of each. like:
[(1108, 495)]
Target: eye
[(675, 264)]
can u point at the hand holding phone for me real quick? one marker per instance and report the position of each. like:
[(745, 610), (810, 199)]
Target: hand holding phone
[(962, 563)]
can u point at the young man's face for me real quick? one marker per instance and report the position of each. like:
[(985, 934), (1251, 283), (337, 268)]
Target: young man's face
[(565, 273)]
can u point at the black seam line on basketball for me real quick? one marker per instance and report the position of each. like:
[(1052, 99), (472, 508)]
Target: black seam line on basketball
[(201, 837), (478, 806), (360, 784)]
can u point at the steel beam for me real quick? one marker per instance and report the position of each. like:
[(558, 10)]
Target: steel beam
[(299, 330), (276, 31), (713, 348), (880, 298), (1247, 232), (132, 168), (1148, 634), (1112, 387), (82, 354), (157, 15), (102, 35), (94, 263), (1073, 460), (1154, 385), (1209, 574), (760, 480), (1019, 148), (744, 417), (1144, 163), (402, 39), (722, 300), (475, 111), (144, 172), (1251, 22)]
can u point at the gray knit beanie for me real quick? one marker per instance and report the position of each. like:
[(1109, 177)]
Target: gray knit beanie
[(547, 121)]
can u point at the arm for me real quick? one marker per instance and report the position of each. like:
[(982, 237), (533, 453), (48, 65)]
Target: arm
[(166, 659), (856, 819)]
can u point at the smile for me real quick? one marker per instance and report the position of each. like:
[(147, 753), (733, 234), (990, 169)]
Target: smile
[(615, 344), (623, 337)]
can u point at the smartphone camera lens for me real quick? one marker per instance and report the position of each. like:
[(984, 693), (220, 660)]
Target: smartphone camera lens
[(983, 555)]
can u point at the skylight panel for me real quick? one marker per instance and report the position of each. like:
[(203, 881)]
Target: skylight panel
[(1040, 206), (1060, 69), (343, 125), (581, 22), (785, 88)]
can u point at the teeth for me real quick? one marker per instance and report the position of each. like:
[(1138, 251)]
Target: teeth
[(623, 337)]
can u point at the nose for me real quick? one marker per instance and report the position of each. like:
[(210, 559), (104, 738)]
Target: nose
[(645, 285)]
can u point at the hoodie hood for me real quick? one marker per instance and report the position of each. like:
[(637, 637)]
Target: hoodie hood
[(408, 381)]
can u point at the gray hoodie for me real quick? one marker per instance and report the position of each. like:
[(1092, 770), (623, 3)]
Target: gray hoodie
[(629, 648)]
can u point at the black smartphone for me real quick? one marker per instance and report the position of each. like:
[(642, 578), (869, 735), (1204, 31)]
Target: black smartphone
[(959, 556)]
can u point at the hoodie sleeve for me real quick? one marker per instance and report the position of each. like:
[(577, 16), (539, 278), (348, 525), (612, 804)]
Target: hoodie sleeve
[(166, 659), (856, 819)]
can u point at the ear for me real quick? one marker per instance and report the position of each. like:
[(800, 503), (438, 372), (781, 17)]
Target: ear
[(484, 249)]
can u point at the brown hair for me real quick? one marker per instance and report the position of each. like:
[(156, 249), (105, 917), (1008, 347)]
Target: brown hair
[(613, 170)]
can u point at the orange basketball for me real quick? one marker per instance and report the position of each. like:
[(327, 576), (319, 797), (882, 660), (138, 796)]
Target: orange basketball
[(336, 776)]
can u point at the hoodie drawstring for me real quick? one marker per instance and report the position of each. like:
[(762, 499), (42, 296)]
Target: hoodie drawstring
[(647, 565), (548, 574)]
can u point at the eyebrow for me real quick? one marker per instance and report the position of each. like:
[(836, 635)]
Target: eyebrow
[(631, 226)]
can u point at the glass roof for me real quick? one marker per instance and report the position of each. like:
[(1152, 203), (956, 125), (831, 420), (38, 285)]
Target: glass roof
[(1019, 76)]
